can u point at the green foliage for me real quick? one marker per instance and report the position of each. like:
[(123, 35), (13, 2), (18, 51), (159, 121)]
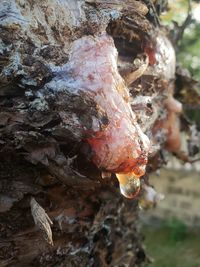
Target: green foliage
[(177, 12), (189, 51), (194, 115)]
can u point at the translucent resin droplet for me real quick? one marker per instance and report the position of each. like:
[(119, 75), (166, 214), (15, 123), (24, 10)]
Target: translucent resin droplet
[(129, 184)]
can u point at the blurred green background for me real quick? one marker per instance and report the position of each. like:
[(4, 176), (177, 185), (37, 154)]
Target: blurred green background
[(172, 243)]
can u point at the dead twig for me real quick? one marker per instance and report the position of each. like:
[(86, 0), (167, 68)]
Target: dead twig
[(179, 30)]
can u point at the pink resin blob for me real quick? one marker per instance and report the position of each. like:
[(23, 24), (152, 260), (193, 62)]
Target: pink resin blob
[(121, 147)]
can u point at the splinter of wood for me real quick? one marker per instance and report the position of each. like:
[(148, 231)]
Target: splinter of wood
[(141, 67), (42, 220)]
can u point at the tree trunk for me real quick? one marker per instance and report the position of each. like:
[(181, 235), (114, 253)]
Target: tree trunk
[(47, 148)]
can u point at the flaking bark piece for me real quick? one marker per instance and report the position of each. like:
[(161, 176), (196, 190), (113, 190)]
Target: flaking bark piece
[(42, 220), (122, 6)]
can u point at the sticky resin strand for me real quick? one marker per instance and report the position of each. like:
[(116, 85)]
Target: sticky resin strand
[(120, 147)]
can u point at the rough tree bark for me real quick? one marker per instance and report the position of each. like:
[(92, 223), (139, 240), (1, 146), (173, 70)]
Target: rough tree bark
[(46, 162)]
